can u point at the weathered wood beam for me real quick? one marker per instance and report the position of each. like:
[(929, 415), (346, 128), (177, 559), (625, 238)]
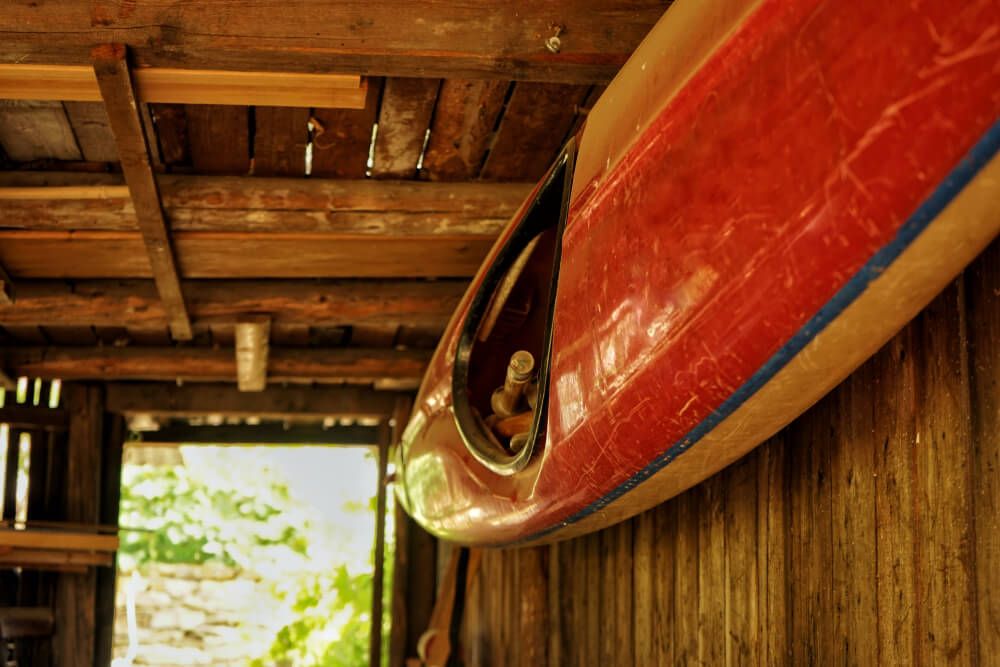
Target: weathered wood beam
[(85, 254), (40, 201), (312, 302), (252, 336), (161, 399), (354, 365), (34, 417), (191, 86), (262, 434), (484, 40), (115, 83)]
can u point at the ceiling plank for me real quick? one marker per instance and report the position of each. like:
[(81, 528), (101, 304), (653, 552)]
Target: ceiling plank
[(162, 399), (31, 130), (328, 303), (80, 255), (392, 38), (93, 134), (350, 365), (191, 86), (280, 138), (261, 434), (467, 111), (120, 103), (403, 121), (219, 138), (342, 138)]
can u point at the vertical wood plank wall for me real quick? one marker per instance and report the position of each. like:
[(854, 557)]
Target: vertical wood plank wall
[(864, 533)]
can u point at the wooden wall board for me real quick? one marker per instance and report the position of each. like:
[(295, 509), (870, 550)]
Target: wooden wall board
[(342, 138), (389, 38), (864, 533), (93, 133), (279, 143), (533, 129), (31, 130), (219, 138), (228, 255), (403, 121), (467, 111)]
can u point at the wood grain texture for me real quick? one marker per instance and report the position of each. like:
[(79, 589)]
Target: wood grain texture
[(279, 145), (534, 127), (395, 38), (425, 304), (92, 131), (225, 255), (403, 121), (115, 82), (864, 533), (219, 138), (342, 137), (357, 365), (467, 111), (32, 130)]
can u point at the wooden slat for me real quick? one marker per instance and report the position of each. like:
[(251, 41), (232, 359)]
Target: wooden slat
[(60, 540), (226, 255), (348, 364), (315, 302), (171, 435), (533, 130), (31, 130), (193, 86), (342, 138), (33, 417), (466, 113), (983, 299), (943, 466), (286, 403), (219, 138), (92, 130), (170, 121), (403, 121), (742, 637), (119, 99), (774, 615), (279, 146), (711, 572), (252, 343), (42, 558), (392, 38)]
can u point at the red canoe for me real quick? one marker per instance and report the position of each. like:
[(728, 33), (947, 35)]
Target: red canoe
[(765, 194)]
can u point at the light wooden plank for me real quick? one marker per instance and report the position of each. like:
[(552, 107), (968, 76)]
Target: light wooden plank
[(59, 540), (252, 341), (711, 605), (687, 590), (742, 641), (115, 83), (772, 550), (403, 122), (77, 83)]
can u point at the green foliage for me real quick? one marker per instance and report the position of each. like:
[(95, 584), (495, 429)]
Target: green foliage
[(185, 520)]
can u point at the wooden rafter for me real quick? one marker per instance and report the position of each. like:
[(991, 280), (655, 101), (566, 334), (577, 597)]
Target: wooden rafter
[(115, 83), (357, 365), (309, 302), (292, 403), (485, 40), (163, 84)]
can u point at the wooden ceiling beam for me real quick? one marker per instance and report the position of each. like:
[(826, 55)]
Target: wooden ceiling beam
[(187, 86), (252, 336), (134, 303), (335, 365), (115, 83), (504, 40), (162, 399)]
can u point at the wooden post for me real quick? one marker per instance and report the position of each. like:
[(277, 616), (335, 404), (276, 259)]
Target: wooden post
[(375, 645), (252, 335), (6, 287), (115, 83)]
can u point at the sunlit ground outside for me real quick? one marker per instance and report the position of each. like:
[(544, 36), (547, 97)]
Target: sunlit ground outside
[(256, 556)]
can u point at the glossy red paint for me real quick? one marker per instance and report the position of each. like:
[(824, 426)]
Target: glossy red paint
[(791, 157)]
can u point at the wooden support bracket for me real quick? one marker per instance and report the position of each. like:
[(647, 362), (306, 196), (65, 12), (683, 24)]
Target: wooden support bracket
[(115, 83)]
